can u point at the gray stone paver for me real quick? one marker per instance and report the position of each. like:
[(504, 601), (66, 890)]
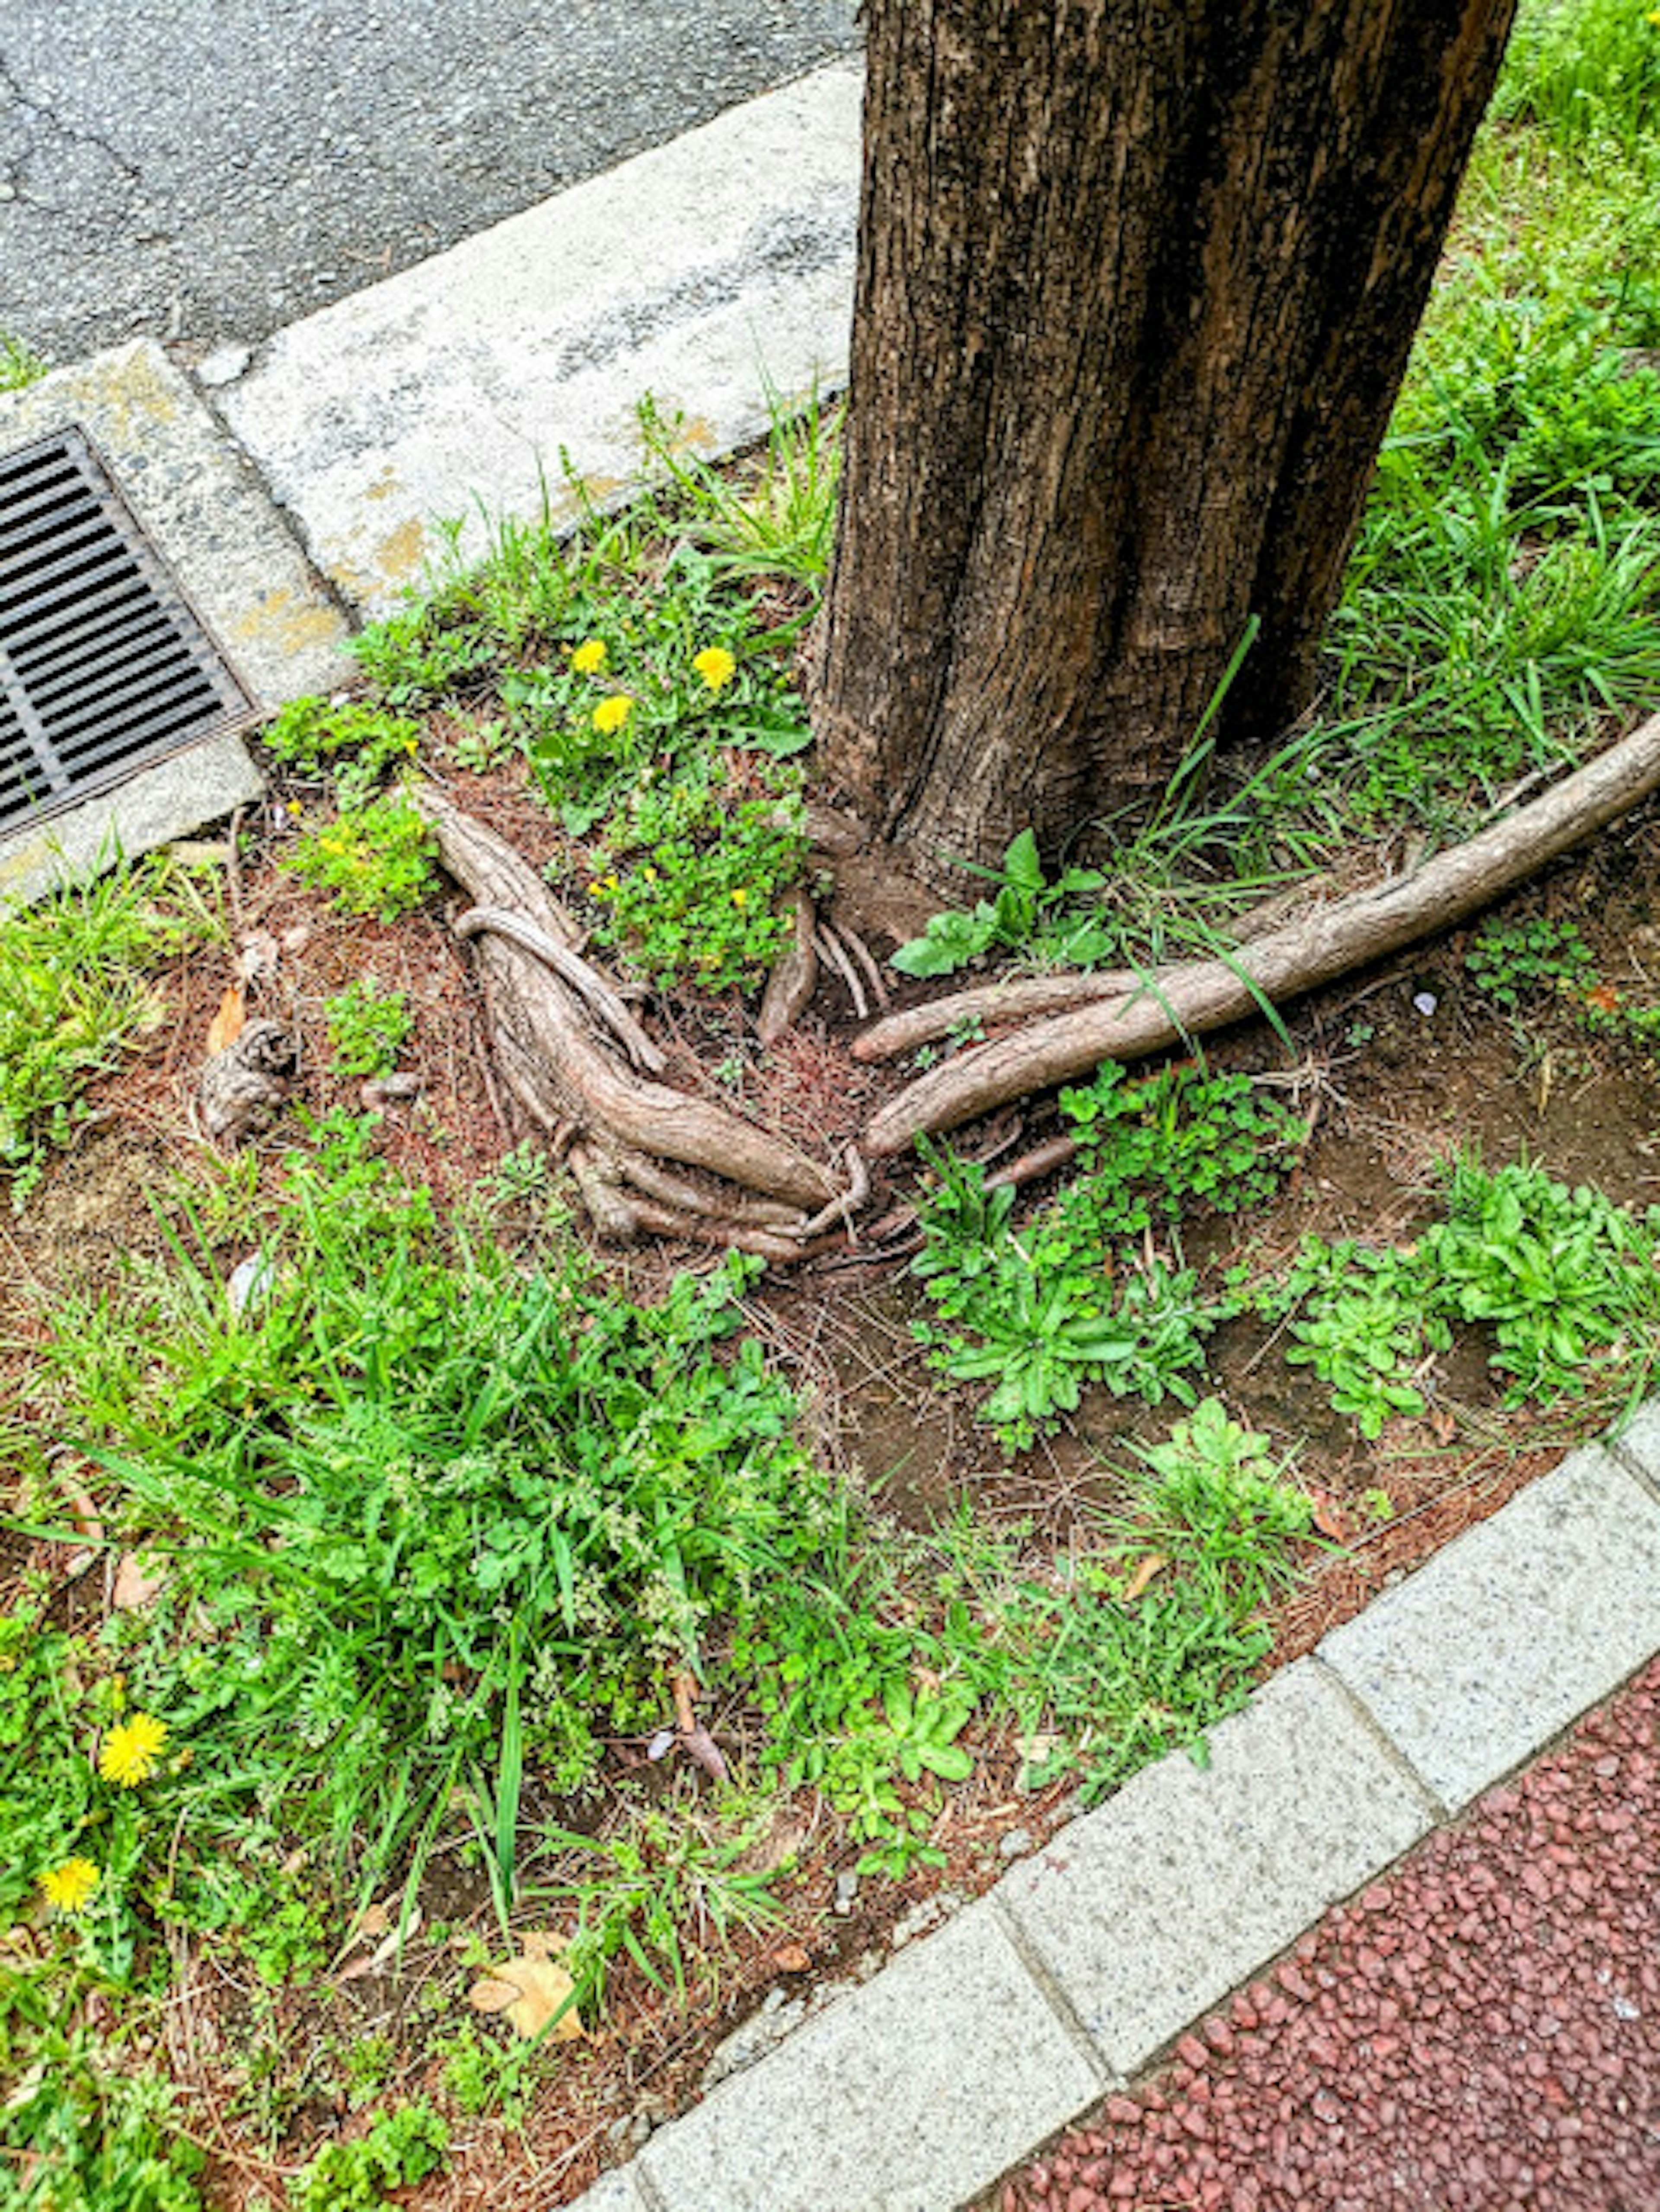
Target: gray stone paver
[(910, 2095), (1638, 1444), (1151, 1909), (1504, 1638)]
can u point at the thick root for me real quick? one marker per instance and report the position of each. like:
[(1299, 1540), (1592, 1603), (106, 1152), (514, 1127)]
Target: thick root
[(1199, 996)]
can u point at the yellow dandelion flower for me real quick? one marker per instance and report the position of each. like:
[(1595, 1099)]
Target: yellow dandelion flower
[(610, 714), (740, 898), (715, 666), (590, 657), (69, 1888), (131, 1750)]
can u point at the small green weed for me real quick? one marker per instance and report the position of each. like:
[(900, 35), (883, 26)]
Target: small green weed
[(368, 1027), (1179, 1142), (1514, 961), (403, 2148), (1585, 73), (1043, 1310), (1365, 1321), (377, 859), (1064, 1302), (774, 517), (1024, 913), (354, 741), (86, 2133), (1566, 1278), (687, 881), (657, 1890), (1520, 964), (412, 662), (20, 365)]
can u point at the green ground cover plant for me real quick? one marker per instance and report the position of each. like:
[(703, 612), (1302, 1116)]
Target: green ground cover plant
[(1561, 1280), (368, 1027), (75, 996), (440, 1515), (1070, 1298)]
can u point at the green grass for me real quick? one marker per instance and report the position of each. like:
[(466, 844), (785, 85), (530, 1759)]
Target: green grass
[(76, 997)]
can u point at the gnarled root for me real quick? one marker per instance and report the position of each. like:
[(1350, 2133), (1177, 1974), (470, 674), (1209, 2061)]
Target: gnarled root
[(1126, 1019), (545, 1007)]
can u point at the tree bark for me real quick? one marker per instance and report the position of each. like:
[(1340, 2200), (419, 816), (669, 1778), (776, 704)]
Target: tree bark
[(1137, 284)]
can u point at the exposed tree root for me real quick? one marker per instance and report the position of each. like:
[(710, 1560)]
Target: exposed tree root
[(589, 983), (558, 1066), (557, 1025), (1195, 997), (795, 978)]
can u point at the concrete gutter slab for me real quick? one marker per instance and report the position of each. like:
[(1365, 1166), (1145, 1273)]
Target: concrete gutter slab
[(1150, 1911), (1500, 1641), (696, 273), (178, 795)]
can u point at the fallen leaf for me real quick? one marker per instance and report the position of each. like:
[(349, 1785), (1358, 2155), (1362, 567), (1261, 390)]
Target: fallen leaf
[(228, 1023), (1329, 1517), (136, 1585), (1155, 1563), (530, 1990), (84, 1514), (1443, 1424)]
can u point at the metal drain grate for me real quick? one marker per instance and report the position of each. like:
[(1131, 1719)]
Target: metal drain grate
[(103, 666)]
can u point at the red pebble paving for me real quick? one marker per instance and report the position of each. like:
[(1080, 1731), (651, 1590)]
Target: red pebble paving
[(1479, 2032)]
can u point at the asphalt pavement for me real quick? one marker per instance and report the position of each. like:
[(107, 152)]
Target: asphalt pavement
[(207, 171)]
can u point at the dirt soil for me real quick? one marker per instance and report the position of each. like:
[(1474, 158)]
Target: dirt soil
[(1390, 1070), (1479, 2032)]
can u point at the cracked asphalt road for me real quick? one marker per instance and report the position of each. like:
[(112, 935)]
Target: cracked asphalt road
[(206, 171)]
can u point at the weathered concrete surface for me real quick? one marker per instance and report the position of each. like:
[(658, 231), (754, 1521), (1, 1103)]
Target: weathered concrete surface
[(206, 170), (694, 273), (238, 565), (909, 2096), (202, 507), (1183, 1884), (1499, 1642)]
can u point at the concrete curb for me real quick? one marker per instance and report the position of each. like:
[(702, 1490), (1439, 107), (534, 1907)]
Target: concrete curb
[(916, 2092), (702, 274)]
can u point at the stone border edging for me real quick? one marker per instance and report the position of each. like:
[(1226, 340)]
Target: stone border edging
[(919, 2090)]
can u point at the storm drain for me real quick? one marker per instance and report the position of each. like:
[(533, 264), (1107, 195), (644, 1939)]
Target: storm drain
[(103, 667)]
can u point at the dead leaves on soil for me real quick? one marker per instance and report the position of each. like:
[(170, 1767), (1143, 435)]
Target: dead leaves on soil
[(532, 1991)]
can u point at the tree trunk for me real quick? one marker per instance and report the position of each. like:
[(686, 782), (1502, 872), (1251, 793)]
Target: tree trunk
[(1137, 284)]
